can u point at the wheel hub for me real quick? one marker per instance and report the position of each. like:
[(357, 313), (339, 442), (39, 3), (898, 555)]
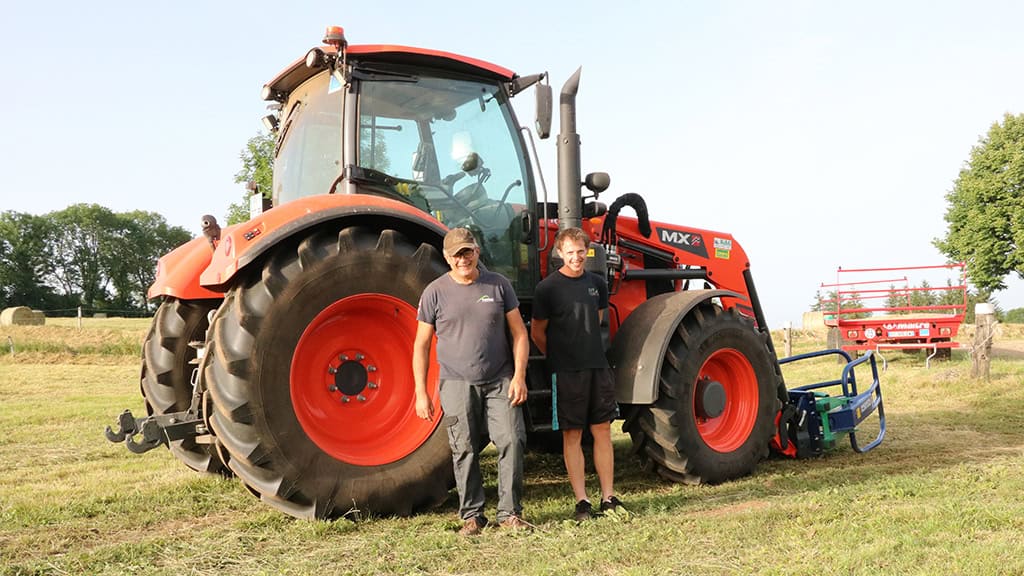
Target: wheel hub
[(350, 378), (711, 398)]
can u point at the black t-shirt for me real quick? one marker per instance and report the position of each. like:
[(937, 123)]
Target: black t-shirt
[(570, 306)]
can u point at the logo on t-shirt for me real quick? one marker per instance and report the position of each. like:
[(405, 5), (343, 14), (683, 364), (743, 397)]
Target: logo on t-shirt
[(486, 298), (592, 291)]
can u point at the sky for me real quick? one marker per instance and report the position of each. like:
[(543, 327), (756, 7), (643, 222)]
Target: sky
[(819, 134)]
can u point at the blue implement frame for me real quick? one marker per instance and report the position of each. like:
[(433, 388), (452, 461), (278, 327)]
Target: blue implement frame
[(820, 417)]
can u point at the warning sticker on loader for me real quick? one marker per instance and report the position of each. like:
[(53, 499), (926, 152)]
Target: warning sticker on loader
[(723, 248)]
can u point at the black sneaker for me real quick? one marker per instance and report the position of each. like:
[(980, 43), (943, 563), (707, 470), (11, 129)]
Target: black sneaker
[(612, 504), (584, 511)]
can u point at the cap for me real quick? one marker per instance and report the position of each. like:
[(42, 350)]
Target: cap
[(458, 239)]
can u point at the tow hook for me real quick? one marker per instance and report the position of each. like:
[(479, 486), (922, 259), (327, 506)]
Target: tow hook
[(156, 430)]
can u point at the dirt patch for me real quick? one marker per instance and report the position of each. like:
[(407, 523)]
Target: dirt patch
[(1011, 349)]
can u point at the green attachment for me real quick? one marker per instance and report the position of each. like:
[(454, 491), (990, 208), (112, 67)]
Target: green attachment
[(825, 404)]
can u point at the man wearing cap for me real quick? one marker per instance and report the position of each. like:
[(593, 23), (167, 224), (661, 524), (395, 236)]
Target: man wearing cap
[(483, 377)]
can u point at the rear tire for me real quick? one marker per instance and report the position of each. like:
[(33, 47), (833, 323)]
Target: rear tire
[(678, 436), (167, 372), (309, 368)]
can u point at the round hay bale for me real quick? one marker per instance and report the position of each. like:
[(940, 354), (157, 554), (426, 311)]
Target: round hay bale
[(21, 316)]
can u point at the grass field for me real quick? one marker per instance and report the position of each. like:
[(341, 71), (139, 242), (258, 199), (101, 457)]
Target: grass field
[(940, 496)]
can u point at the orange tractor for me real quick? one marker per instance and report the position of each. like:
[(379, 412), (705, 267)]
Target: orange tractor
[(281, 352)]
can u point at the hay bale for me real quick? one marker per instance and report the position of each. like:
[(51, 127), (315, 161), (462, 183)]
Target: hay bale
[(21, 316)]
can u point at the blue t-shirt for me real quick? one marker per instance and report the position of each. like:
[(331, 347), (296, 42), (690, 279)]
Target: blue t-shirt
[(469, 319)]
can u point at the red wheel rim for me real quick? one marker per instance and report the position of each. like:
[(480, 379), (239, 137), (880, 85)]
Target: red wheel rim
[(351, 381), (730, 429)]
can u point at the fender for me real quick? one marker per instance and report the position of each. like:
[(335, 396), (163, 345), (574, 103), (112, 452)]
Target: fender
[(241, 245), (177, 272), (640, 344)]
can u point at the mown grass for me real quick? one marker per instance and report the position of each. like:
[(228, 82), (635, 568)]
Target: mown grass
[(941, 495), (60, 340)]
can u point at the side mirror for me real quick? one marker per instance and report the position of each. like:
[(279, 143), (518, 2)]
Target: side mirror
[(543, 121), (597, 182)]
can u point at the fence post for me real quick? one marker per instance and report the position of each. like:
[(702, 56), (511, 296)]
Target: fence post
[(787, 338), (981, 351), (79, 317)]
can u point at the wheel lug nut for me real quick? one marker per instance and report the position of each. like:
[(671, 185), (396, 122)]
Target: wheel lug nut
[(346, 399), (332, 370), (360, 357), (361, 398), (332, 388), (371, 385), (371, 368), (343, 357)]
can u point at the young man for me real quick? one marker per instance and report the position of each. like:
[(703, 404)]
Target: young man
[(482, 380), (568, 307)]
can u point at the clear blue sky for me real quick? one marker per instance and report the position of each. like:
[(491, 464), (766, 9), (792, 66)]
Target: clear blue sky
[(820, 134)]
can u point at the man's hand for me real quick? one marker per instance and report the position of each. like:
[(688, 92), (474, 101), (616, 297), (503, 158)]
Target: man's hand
[(517, 391), (424, 407)]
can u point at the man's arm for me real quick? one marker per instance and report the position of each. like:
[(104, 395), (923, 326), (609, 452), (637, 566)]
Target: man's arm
[(539, 334), (520, 355), (420, 364)]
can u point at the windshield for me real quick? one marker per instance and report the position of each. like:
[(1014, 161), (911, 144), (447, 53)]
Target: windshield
[(450, 147)]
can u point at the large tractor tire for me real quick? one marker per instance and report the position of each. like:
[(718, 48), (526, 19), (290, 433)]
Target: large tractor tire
[(310, 372), (167, 372), (718, 397)]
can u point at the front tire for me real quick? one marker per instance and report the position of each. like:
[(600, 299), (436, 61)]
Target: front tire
[(718, 396), (168, 364), (311, 379)]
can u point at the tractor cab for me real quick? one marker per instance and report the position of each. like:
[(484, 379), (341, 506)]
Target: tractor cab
[(431, 129)]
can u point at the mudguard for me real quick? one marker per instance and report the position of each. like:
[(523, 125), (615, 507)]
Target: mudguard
[(241, 245), (641, 341), (177, 272)]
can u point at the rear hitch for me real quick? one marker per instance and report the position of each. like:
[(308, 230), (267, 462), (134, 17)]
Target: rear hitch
[(156, 430)]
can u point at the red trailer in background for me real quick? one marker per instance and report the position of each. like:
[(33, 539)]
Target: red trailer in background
[(897, 309)]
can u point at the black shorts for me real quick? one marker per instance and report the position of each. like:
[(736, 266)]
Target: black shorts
[(584, 398)]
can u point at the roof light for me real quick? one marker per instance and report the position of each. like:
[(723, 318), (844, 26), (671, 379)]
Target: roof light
[(335, 36), (270, 122)]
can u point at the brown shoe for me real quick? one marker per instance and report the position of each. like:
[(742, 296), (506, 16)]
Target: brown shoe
[(514, 522), (473, 526)]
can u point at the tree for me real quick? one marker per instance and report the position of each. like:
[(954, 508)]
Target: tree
[(985, 212), (257, 166), (24, 261), (149, 236), (897, 299), (1015, 316), (923, 295), (830, 304), (84, 245)]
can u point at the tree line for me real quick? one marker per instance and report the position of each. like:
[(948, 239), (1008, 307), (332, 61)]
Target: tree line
[(84, 255)]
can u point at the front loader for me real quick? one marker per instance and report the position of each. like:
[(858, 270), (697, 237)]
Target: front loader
[(281, 352)]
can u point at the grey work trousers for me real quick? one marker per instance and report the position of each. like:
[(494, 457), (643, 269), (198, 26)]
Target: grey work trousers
[(474, 412)]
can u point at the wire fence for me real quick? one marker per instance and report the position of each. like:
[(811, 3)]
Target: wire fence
[(85, 312)]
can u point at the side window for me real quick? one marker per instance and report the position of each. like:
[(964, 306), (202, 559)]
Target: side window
[(309, 158)]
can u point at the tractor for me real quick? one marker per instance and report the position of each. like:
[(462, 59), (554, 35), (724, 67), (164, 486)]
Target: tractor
[(281, 349)]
